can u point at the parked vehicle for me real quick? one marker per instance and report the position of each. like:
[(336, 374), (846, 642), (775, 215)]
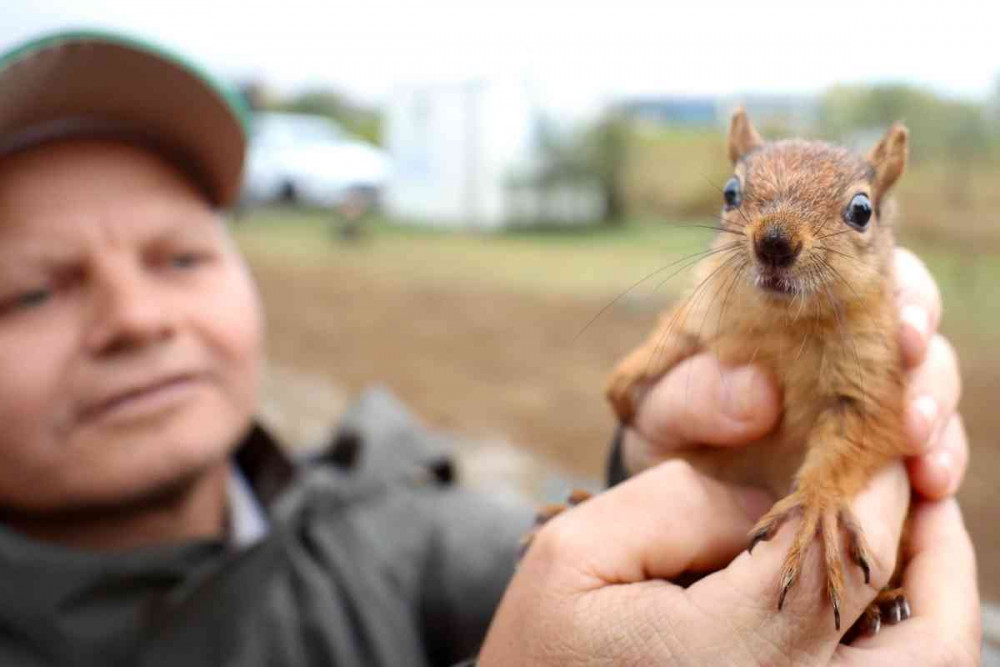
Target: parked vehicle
[(310, 160)]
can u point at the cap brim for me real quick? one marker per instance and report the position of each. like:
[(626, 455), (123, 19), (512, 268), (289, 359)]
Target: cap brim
[(98, 83)]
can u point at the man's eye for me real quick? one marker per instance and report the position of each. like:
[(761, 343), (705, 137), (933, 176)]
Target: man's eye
[(186, 260), (28, 299)]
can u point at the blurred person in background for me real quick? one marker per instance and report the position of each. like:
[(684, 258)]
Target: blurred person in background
[(147, 518)]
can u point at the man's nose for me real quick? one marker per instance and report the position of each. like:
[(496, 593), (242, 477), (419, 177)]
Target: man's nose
[(129, 311), (773, 248)]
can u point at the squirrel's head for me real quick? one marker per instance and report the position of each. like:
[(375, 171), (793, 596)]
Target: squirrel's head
[(811, 214)]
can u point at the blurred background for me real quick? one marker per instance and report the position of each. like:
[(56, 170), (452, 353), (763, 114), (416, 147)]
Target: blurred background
[(441, 196)]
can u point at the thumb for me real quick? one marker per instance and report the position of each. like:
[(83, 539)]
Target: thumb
[(700, 401)]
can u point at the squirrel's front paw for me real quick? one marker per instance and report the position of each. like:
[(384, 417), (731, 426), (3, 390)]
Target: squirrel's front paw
[(818, 512), (623, 391)]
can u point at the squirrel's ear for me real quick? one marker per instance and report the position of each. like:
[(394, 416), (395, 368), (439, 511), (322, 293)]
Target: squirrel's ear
[(888, 158), (743, 138)]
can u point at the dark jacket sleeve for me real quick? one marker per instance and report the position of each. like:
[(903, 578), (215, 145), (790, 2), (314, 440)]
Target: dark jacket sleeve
[(468, 541), (469, 565)]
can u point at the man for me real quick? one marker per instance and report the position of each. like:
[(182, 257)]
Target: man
[(147, 520)]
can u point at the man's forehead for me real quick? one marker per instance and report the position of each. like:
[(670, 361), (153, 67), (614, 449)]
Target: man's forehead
[(77, 181), (85, 164)]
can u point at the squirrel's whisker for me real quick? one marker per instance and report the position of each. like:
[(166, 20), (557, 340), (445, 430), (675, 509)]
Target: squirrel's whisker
[(730, 247), (696, 256), (827, 248), (734, 283), (838, 275), (827, 236), (708, 308), (718, 229), (687, 305)]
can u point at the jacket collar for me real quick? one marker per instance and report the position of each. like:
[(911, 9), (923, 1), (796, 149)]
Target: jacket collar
[(264, 465)]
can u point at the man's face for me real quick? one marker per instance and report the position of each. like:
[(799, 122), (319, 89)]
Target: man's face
[(129, 329)]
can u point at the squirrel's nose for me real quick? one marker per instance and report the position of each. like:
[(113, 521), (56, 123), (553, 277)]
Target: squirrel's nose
[(773, 248)]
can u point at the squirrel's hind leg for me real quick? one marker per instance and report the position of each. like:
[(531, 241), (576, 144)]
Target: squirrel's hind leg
[(842, 456)]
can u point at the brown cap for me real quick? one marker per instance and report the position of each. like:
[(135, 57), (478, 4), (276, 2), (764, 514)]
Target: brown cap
[(94, 84)]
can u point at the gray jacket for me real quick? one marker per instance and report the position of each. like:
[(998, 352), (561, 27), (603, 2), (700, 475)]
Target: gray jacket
[(373, 557)]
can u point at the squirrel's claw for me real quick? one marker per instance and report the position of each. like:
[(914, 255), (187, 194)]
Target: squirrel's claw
[(762, 534), (868, 625), (860, 553), (818, 514), (788, 577), (770, 523), (863, 564), (891, 606), (835, 601), (894, 606)]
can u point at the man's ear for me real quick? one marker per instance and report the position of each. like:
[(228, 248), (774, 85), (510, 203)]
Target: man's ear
[(743, 138), (887, 159)]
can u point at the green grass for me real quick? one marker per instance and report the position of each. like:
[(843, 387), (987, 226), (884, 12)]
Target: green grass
[(970, 287), (586, 262), (598, 261)]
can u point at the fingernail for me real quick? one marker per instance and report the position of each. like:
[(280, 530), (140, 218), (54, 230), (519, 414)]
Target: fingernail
[(745, 386), (918, 319), (922, 418)]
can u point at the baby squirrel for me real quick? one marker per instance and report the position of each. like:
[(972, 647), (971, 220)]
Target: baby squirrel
[(799, 281)]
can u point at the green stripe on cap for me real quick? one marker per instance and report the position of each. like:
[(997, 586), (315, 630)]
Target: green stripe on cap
[(232, 101)]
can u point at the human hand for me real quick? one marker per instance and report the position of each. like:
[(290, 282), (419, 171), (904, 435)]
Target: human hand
[(700, 402), (594, 586)]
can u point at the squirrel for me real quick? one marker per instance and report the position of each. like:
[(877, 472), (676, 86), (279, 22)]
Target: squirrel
[(799, 281)]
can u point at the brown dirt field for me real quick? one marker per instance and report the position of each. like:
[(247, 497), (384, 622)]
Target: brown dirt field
[(482, 361)]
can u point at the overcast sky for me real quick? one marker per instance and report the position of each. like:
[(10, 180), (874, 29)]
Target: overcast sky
[(575, 51)]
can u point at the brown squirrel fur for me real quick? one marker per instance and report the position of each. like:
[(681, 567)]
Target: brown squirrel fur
[(822, 321)]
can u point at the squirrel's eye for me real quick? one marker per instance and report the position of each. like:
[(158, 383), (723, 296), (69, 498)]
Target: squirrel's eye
[(858, 212), (731, 193)]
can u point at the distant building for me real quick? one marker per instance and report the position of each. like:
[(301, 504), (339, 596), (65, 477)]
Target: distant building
[(794, 112), (464, 155), (688, 111)]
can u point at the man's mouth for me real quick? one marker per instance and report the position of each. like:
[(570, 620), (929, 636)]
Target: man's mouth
[(142, 400)]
